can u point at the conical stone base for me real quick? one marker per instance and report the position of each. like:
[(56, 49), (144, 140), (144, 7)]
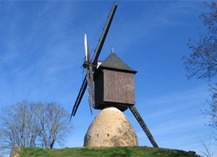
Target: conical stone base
[(110, 128)]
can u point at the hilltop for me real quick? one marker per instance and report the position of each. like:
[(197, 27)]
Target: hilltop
[(105, 152)]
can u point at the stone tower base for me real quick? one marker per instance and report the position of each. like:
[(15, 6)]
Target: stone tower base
[(110, 128)]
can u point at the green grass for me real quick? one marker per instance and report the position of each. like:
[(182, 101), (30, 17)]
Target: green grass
[(105, 152)]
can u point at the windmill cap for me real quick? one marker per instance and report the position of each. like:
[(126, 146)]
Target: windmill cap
[(115, 63)]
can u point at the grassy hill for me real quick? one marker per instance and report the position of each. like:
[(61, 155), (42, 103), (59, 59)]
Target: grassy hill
[(105, 152)]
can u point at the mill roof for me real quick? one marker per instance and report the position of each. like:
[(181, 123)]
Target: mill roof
[(115, 63)]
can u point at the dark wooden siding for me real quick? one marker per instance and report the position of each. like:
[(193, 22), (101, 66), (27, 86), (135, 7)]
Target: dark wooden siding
[(118, 87), (114, 88)]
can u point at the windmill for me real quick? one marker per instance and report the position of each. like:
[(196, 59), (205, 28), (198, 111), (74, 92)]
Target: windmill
[(92, 80)]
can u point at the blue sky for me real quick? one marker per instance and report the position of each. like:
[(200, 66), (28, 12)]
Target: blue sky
[(41, 56)]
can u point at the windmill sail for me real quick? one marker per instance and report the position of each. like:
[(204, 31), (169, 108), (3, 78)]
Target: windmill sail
[(90, 88), (86, 49), (104, 33), (79, 97), (88, 66), (95, 59)]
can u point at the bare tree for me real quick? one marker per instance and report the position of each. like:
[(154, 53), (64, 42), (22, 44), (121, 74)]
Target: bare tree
[(212, 111), (53, 124), (207, 147), (34, 125), (17, 126), (202, 62)]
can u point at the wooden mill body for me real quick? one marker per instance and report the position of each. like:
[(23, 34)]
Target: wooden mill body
[(114, 84)]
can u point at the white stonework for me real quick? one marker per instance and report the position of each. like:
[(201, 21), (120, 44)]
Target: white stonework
[(110, 128)]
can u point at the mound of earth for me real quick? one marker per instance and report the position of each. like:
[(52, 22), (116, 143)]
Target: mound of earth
[(110, 128)]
